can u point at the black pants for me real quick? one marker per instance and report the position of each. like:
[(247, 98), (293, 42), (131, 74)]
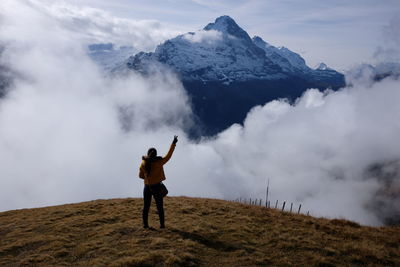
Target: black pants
[(146, 206)]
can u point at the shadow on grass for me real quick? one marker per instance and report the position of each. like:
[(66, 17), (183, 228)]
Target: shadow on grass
[(214, 244)]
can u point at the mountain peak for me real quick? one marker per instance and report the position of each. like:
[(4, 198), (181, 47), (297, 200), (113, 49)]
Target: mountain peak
[(322, 66), (226, 24), (225, 19)]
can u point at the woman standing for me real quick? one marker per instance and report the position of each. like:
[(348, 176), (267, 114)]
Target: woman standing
[(152, 171)]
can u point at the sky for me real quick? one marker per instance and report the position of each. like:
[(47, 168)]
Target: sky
[(64, 135), (339, 33)]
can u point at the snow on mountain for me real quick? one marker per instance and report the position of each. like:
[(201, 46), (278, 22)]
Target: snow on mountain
[(227, 25), (294, 59), (288, 60), (322, 66), (295, 65)]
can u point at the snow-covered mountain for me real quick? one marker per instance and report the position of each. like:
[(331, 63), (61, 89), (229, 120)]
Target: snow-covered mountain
[(222, 51), (224, 71)]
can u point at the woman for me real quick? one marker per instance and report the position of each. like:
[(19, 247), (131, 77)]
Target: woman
[(152, 171)]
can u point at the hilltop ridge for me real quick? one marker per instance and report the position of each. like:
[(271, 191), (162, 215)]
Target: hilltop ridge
[(200, 232)]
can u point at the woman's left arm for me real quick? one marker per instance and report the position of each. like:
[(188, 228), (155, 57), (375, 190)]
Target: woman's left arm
[(169, 154), (171, 150)]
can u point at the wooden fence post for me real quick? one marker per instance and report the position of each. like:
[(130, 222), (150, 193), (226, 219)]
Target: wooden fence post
[(299, 209), (291, 206), (276, 204), (283, 206), (266, 198)]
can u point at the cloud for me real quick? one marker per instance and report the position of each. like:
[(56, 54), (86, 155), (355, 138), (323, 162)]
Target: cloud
[(319, 152), (95, 25), (69, 134), (208, 37)]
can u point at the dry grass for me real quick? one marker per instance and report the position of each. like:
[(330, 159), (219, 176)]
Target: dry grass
[(199, 232)]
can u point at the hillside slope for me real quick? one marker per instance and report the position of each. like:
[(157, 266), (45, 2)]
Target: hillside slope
[(203, 232)]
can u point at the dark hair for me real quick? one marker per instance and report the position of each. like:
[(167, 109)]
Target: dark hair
[(152, 152), (150, 158)]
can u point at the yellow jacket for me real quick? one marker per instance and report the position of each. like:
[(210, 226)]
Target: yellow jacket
[(156, 174)]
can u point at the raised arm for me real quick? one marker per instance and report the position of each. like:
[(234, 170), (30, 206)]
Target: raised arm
[(171, 150)]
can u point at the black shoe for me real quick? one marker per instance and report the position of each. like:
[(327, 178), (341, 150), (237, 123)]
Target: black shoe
[(145, 226), (162, 226)]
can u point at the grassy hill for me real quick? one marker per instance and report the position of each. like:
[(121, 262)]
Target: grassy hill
[(205, 232)]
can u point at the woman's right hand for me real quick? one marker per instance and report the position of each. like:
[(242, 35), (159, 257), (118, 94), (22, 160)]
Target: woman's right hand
[(175, 140)]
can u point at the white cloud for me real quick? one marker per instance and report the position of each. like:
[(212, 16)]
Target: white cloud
[(208, 37), (319, 151), (93, 25)]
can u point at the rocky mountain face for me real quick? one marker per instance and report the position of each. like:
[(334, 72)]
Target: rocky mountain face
[(226, 73)]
